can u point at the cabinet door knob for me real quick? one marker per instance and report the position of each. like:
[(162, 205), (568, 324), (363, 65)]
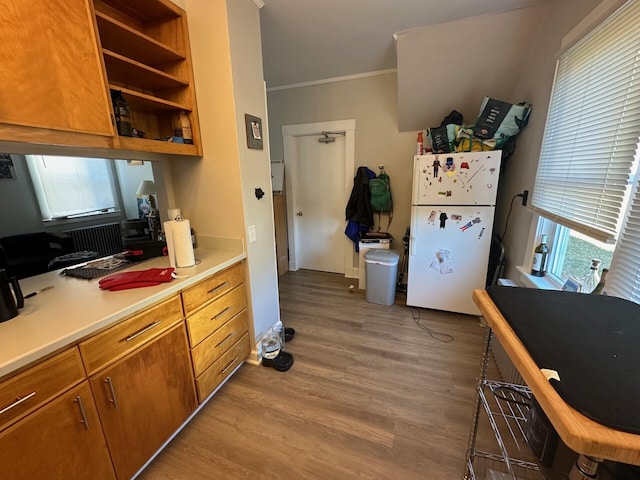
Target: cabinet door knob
[(113, 399), (300, 214), (84, 420)]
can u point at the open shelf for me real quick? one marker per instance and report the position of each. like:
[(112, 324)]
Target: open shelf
[(506, 406), (498, 446), (144, 11), (146, 54), (150, 145), (130, 72), (148, 103), (128, 42)]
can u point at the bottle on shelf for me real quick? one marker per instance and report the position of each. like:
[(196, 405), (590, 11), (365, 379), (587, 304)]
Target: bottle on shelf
[(420, 144), (539, 264), (599, 290), (122, 114), (182, 127), (591, 280)]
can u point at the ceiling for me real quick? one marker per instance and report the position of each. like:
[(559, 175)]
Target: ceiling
[(311, 40)]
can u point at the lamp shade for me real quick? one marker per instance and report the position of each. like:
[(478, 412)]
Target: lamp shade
[(147, 187)]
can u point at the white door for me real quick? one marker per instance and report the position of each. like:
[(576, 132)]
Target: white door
[(319, 203)]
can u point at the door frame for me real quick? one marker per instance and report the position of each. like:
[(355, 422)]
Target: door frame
[(289, 139)]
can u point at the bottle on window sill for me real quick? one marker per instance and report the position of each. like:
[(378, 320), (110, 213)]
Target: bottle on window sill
[(591, 280), (599, 290), (540, 254)]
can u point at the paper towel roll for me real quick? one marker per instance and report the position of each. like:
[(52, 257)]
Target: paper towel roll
[(168, 236), (178, 233)]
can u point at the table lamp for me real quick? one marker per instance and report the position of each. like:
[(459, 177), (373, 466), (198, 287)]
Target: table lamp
[(147, 189)]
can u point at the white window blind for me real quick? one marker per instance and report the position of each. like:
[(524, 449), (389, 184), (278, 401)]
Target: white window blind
[(71, 186), (592, 129), (624, 279)]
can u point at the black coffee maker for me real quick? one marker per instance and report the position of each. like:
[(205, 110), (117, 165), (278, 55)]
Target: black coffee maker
[(10, 301)]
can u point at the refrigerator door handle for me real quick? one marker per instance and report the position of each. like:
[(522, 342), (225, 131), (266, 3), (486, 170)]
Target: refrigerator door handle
[(412, 233), (415, 187)]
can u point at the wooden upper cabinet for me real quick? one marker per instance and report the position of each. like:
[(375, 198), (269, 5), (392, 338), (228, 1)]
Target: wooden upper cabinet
[(52, 71), (146, 52), (62, 58)]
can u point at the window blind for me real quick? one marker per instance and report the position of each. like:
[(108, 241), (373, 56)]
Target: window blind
[(70, 186), (624, 279), (592, 129)]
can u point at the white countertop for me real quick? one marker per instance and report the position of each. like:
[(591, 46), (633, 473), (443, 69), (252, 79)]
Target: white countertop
[(76, 309)]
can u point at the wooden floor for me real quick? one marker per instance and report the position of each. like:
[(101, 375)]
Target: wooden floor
[(371, 395)]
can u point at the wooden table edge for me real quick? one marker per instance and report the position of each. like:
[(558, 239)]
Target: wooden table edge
[(580, 433)]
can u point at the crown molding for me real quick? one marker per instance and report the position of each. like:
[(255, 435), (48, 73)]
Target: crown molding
[(333, 80)]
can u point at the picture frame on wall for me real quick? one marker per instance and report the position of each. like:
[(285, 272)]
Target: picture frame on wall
[(254, 131)]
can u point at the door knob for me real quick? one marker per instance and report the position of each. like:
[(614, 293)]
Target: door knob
[(300, 214)]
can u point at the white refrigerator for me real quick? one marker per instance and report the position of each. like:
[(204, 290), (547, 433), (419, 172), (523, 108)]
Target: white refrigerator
[(453, 203)]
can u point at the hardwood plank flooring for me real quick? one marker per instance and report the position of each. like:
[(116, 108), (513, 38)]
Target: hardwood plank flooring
[(371, 395)]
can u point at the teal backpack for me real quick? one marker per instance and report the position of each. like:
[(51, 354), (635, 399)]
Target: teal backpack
[(381, 200)]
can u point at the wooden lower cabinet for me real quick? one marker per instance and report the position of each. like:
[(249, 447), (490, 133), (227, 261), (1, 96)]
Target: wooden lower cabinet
[(144, 398), (213, 376), (60, 441)]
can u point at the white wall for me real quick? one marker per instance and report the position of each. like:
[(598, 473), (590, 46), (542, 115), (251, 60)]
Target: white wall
[(534, 84), (371, 101), (255, 168), (216, 191), (454, 65)]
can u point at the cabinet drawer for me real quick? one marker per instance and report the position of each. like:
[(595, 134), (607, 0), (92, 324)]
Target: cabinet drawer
[(207, 320), (213, 287), (32, 388), (216, 373), (212, 347), (112, 344)]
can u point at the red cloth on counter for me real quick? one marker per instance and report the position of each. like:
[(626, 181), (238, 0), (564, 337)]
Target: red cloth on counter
[(136, 279)]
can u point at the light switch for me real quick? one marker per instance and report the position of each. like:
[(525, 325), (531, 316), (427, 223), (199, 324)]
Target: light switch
[(252, 233)]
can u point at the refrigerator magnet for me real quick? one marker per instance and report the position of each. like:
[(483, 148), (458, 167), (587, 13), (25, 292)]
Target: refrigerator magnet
[(443, 219)]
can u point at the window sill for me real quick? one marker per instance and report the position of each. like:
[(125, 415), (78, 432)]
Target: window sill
[(544, 283), (89, 219)]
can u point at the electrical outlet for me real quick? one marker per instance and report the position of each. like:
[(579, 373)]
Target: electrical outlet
[(525, 197), (252, 234)]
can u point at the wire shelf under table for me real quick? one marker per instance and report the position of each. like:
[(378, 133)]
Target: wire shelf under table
[(506, 406)]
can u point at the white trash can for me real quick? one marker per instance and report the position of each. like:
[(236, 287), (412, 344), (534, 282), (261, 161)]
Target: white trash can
[(381, 268)]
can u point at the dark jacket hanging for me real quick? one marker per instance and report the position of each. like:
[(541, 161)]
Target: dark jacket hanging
[(359, 205), (358, 212)]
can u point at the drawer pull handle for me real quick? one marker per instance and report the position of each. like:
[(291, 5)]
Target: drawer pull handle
[(113, 398), (84, 420), (224, 370), (225, 340), (142, 330), (18, 401), (215, 289), (219, 314)]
